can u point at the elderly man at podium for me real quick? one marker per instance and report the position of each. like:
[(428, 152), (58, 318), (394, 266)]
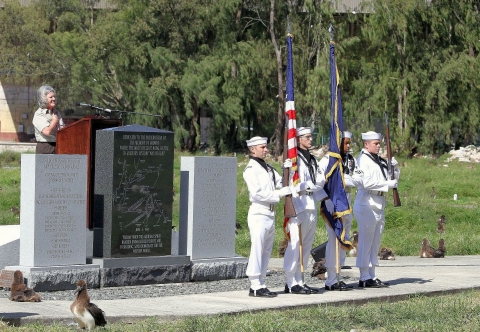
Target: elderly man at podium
[(46, 121)]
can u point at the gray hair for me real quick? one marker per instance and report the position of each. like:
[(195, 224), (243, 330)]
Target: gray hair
[(42, 93)]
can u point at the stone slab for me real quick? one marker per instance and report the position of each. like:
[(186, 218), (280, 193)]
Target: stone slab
[(207, 207), (140, 261), (174, 243), (148, 275), (218, 269), (53, 210), (58, 278), (133, 192)]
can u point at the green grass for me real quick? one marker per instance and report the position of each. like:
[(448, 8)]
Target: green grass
[(457, 312), (405, 225), (9, 187)]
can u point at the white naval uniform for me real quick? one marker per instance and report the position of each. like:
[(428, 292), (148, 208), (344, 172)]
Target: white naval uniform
[(306, 209), (351, 180), (369, 211), (261, 219)]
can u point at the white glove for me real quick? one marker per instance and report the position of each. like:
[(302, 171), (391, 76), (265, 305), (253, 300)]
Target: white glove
[(394, 162), (320, 183), (284, 191), (287, 163), (392, 183), (314, 188), (329, 206), (348, 180)]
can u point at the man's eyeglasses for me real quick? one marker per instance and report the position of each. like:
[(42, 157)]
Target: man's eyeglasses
[(307, 137)]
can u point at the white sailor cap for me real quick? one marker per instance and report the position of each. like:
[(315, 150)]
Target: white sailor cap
[(257, 140), (346, 134), (370, 135), (303, 131)]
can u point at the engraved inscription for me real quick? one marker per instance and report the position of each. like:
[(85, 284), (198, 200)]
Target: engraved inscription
[(60, 201), (216, 206), (144, 145), (141, 243), (142, 194)]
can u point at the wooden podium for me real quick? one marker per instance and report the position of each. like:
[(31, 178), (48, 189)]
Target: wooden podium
[(79, 138)]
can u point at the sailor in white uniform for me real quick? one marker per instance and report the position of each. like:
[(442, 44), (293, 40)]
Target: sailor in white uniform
[(369, 207), (262, 181), (352, 177), (305, 203)]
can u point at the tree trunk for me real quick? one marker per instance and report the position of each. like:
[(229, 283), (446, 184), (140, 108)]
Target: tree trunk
[(191, 142), (399, 115), (239, 13), (405, 113), (281, 96), (402, 108)]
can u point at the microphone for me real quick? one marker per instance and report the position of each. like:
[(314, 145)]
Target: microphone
[(83, 104)]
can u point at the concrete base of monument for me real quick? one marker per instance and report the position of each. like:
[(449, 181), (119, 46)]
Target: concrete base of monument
[(132, 271), (57, 278), (219, 268), (120, 262)]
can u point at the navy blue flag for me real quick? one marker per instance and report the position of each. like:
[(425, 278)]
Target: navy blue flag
[(335, 184)]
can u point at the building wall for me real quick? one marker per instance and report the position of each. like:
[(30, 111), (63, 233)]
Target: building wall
[(16, 112), (351, 6)]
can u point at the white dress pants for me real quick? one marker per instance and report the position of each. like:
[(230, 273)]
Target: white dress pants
[(331, 257), (347, 225), (291, 262), (262, 233), (371, 222)]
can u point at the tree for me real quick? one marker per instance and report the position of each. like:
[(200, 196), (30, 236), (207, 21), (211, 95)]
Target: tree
[(223, 59)]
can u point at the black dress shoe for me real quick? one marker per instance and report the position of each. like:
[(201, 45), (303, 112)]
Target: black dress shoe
[(339, 286), (297, 289), (367, 283), (370, 283), (262, 292), (270, 294), (380, 283), (313, 290)]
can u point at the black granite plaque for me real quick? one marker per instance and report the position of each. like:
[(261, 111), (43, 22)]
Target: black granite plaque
[(134, 191)]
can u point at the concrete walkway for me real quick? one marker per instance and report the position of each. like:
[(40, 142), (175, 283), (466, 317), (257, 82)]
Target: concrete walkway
[(406, 275)]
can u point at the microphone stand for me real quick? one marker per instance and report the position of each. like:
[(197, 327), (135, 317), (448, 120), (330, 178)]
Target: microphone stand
[(120, 112)]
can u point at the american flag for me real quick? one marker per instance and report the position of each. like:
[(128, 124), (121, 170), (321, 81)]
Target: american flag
[(335, 185), (291, 116)]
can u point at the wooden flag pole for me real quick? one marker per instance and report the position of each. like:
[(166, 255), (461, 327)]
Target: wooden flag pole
[(302, 268), (337, 261)]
